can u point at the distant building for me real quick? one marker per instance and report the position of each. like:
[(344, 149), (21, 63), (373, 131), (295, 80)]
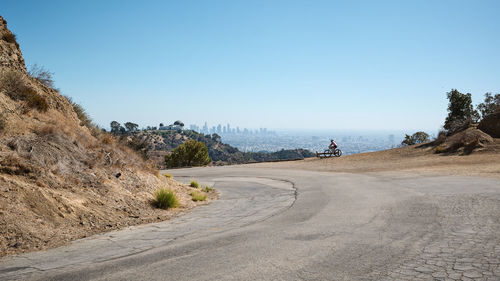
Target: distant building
[(178, 125)]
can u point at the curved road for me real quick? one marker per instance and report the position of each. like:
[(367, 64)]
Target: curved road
[(272, 224)]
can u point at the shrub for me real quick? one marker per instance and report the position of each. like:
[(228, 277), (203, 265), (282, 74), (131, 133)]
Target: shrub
[(440, 149), (34, 100), (168, 176), (198, 196), (81, 113), (107, 139), (165, 198), (194, 184), (10, 38), (416, 138), (14, 85), (43, 75), (207, 189), (12, 82), (190, 153)]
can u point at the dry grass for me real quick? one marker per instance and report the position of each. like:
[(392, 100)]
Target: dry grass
[(14, 84), (107, 139), (198, 196)]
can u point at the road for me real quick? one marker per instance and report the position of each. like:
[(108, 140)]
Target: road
[(282, 224)]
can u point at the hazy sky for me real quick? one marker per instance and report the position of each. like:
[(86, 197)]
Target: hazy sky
[(275, 64)]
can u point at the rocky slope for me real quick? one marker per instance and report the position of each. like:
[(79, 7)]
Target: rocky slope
[(62, 178)]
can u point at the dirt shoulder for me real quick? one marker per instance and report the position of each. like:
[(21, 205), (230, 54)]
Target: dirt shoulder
[(414, 159)]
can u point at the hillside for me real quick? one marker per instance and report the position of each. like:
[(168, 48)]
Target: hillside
[(61, 178), (160, 142)]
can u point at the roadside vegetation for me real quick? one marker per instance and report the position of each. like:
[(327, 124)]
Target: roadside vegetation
[(208, 189), (194, 184), (198, 196), (165, 198)]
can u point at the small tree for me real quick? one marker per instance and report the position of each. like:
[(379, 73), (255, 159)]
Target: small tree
[(416, 138), (460, 110), (490, 105), (190, 153)]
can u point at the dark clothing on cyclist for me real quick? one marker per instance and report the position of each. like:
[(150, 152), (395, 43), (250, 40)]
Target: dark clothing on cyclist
[(333, 145)]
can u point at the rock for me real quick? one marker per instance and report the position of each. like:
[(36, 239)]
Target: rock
[(491, 125)]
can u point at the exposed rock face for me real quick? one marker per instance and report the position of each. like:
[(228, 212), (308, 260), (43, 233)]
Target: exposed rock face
[(10, 53), (491, 125)]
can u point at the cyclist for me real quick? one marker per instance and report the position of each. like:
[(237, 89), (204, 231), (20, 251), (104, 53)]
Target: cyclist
[(333, 145)]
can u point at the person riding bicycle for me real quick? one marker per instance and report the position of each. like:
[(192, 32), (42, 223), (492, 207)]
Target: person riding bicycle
[(333, 145)]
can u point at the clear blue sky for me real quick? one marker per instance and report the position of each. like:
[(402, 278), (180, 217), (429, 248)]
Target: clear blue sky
[(276, 64)]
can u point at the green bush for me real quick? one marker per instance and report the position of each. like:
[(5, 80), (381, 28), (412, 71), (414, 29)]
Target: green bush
[(194, 184), (207, 189), (168, 176), (165, 198), (198, 196), (190, 153)]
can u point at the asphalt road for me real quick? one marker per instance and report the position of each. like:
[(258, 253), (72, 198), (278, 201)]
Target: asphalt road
[(272, 224)]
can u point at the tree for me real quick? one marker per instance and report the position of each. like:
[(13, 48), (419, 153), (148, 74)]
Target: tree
[(115, 127), (460, 110), (490, 105), (131, 127), (416, 138), (190, 153)]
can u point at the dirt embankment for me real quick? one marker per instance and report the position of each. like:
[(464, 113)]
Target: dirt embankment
[(60, 177)]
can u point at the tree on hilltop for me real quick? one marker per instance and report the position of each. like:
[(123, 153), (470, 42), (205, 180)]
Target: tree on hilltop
[(131, 127), (460, 110), (490, 105)]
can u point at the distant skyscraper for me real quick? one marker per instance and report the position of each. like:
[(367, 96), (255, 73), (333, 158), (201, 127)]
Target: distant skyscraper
[(205, 128)]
